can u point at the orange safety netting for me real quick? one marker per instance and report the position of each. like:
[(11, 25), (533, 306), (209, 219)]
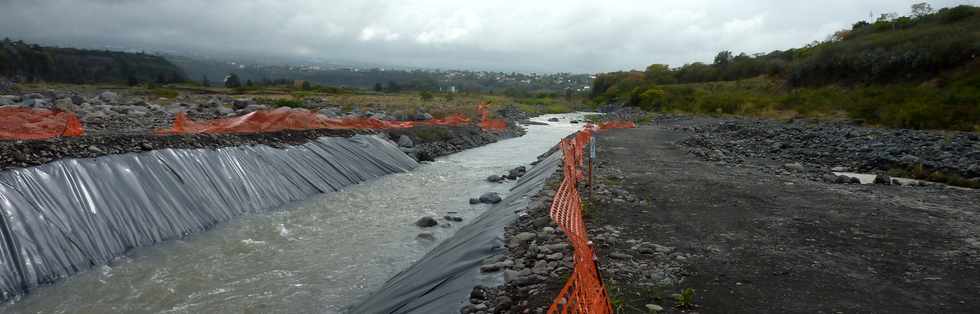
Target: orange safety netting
[(584, 291), (490, 124), (18, 123), (294, 119)]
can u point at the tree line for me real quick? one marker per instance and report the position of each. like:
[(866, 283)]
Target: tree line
[(31, 63)]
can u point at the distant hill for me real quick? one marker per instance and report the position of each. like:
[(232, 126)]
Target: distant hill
[(31, 62), (916, 71), (512, 84)]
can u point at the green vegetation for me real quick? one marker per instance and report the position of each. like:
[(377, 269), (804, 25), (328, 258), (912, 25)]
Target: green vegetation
[(685, 299), (545, 104), (33, 63), (918, 71)]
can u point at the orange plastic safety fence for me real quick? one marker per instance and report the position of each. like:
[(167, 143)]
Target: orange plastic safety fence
[(584, 291), (294, 119), (490, 124), (18, 123)]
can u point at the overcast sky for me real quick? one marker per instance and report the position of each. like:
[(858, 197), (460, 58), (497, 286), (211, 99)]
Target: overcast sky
[(510, 35)]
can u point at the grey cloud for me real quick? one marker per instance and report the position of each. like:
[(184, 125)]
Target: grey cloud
[(550, 35)]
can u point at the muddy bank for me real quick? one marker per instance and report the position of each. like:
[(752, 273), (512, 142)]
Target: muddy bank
[(427, 142), (826, 145)]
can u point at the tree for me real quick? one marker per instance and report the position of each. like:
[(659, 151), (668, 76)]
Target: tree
[(887, 17), (205, 82), (922, 9), (160, 79), (307, 85), (426, 95), (249, 83), (232, 81), (660, 74), (393, 87), (132, 81), (724, 58), (378, 87)]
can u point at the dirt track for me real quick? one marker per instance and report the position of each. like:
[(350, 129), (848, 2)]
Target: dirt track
[(751, 240)]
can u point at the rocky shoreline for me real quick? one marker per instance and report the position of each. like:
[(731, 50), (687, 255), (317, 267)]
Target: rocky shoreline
[(426, 143), (119, 123), (538, 257), (817, 148)]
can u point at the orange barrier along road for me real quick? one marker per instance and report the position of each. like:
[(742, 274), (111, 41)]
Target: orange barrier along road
[(584, 291)]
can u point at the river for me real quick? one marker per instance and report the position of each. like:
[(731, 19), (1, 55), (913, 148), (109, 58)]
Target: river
[(316, 256)]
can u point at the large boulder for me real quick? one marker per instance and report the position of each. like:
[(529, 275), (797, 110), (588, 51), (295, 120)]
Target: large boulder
[(109, 97), (405, 141), (426, 222), (490, 198)]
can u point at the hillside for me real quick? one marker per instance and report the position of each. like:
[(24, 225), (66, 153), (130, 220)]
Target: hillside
[(27, 62), (918, 71)]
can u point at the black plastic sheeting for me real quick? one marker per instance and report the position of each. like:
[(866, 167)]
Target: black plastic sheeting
[(441, 281), (67, 216)]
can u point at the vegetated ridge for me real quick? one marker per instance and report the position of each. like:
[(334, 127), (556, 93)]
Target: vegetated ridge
[(31, 63), (918, 71)]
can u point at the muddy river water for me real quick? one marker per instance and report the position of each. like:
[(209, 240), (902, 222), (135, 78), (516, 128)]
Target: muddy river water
[(320, 255)]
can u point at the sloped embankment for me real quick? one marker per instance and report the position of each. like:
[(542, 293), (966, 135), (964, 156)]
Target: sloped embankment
[(69, 215)]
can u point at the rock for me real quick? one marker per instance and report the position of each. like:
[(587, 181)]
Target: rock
[(910, 160), (855, 180), (251, 108), (225, 111), (654, 307), (33, 96), (490, 198), (109, 97), (504, 302), (453, 218), (5, 101), (423, 116), (480, 307), (77, 100), (617, 255), (829, 178), (525, 236), (65, 104), (478, 293), (426, 236), (330, 112), (794, 166), (474, 201), (840, 169), (405, 141), (426, 222), (95, 149), (541, 267), (555, 257), (553, 120), (842, 179), (495, 179), (883, 179), (517, 172)]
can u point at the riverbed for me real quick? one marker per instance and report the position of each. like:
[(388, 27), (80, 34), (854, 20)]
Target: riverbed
[(320, 255)]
